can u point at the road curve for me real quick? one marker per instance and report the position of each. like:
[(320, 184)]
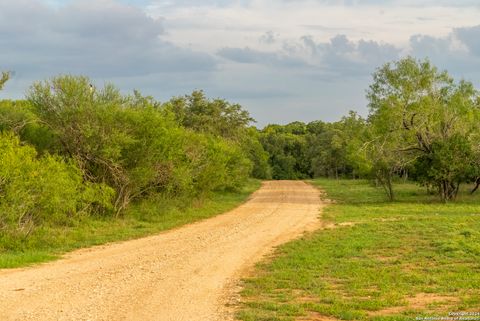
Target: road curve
[(185, 274)]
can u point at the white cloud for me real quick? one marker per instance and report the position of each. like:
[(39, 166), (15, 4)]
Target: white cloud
[(239, 24)]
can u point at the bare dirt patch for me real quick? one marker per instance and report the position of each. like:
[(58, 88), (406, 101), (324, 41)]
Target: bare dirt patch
[(420, 301), (330, 226), (315, 316)]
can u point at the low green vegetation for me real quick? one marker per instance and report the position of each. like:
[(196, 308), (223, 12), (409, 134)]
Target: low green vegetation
[(376, 260)]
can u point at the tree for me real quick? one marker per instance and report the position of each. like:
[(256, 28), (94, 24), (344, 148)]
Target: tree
[(224, 120), (5, 77), (256, 153), (386, 161), (18, 116), (335, 149), (355, 135), (134, 144), (450, 163), (287, 147), (419, 109), (217, 117)]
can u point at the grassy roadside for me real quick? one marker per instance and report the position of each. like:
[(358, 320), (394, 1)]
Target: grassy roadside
[(145, 218), (379, 261)]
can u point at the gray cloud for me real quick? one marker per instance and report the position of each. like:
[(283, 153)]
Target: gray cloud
[(340, 56), (334, 74), (458, 52), (246, 55), (251, 56), (470, 37), (98, 38), (268, 38)]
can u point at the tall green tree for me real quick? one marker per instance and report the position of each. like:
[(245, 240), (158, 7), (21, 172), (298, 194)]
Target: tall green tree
[(214, 116), (222, 119), (415, 109)]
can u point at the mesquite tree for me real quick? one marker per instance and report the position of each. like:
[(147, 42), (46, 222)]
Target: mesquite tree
[(430, 121)]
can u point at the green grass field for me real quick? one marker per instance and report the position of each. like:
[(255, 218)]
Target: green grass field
[(412, 258), (145, 218)]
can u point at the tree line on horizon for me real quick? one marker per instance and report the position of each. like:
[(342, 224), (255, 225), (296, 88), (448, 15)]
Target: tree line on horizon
[(70, 149)]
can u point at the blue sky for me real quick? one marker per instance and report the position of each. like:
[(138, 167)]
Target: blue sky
[(283, 60)]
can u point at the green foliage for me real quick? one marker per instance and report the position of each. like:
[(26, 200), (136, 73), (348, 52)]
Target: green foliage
[(257, 154), (36, 191), (14, 116), (217, 117), (133, 144), (450, 161), (225, 121), (421, 123), (419, 112), (4, 79), (18, 116), (287, 148), (215, 164), (336, 149), (299, 150), (107, 134), (107, 145)]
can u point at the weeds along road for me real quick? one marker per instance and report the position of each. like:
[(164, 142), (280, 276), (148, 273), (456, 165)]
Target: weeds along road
[(186, 274)]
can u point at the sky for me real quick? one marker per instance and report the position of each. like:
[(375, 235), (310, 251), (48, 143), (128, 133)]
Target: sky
[(282, 60)]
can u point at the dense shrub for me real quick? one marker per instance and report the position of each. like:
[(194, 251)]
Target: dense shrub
[(449, 163), (18, 116), (45, 190), (215, 164), (255, 151), (134, 144), (120, 140)]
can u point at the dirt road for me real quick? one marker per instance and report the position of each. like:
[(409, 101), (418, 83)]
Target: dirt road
[(186, 274)]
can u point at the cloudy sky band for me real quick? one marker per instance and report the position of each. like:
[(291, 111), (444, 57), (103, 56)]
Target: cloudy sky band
[(283, 60)]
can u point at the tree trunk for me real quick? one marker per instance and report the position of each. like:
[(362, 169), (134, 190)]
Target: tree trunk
[(391, 196), (448, 190), (456, 190), (385, 179), (477, 185)]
